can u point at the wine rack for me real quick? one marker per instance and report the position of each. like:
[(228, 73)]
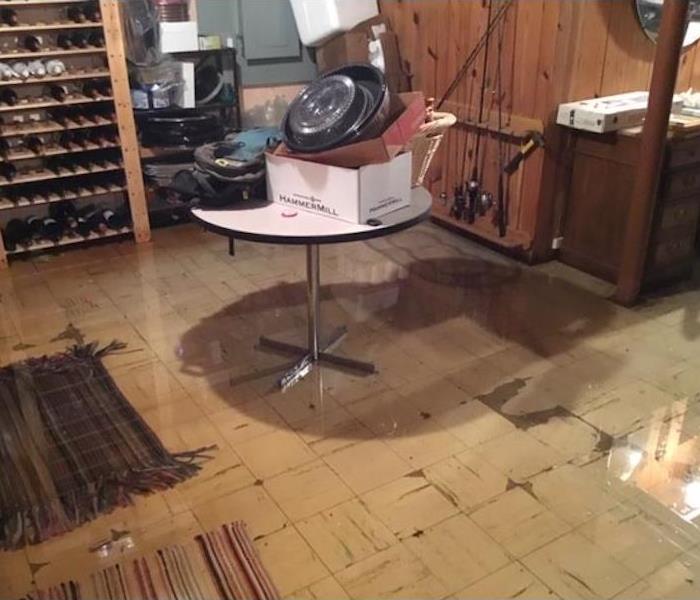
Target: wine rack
[(66, 137)]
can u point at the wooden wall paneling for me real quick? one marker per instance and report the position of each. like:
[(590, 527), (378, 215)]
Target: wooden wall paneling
[(694, 80), (685, 69), (629, 52), (556, 169), (590, 38), (114, 41), (539, 170)]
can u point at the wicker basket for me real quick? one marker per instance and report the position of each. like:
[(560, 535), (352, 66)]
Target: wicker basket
[(425, 143)]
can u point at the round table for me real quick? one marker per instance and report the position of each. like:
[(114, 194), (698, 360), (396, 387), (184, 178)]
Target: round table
[(273, 223)]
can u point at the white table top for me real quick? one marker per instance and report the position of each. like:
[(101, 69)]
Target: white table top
[(277, 224)]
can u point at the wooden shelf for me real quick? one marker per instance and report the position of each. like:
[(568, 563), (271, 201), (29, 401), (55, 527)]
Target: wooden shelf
[(68, 241), (68, 76), (46, 174), (71, 100), (49, 52), (20, 129), (20, 3), (56, 151), (6, 204), (24, 28)]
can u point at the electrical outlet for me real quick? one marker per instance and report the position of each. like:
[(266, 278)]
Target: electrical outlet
[(557, 243)]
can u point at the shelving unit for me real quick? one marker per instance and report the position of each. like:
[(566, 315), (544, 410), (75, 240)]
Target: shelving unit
[(90, 63)]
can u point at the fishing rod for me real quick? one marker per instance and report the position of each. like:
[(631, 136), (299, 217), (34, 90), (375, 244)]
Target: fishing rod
[(501, 217), (474, 53), (459, 206), (474, 183)]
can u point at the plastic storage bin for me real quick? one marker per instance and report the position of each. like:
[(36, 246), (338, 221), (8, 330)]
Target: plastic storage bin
[(318, 20)]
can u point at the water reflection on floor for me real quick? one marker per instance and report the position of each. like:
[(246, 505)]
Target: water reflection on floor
[(524, 436)]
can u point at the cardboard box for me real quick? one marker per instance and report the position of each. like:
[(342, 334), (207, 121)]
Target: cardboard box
[(409, 109), (609, 113), (353, 47), (178, 36), (353, 195)]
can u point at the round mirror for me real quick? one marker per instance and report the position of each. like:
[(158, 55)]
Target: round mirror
[(649, 14)]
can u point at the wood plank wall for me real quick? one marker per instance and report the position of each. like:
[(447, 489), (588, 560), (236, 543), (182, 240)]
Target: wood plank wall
[(553, 51)]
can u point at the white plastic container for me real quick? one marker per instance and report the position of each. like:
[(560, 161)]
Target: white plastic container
[(318, 20)]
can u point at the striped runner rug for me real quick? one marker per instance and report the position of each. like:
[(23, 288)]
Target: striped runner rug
[(220, 565), (72, 447)]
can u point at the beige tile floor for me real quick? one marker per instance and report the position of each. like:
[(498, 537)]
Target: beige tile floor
[(524, 437)]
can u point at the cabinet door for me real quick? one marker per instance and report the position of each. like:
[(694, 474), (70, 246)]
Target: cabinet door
[(269, 30)]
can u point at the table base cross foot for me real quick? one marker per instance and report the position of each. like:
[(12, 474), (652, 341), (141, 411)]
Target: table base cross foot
[(314, 352)]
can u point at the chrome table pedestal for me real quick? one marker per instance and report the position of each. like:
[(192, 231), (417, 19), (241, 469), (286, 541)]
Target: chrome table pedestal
[(316, 351)]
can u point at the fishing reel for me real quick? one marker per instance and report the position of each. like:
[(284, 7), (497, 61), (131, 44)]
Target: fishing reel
[(473, 188), (485, 203), (459, 205)]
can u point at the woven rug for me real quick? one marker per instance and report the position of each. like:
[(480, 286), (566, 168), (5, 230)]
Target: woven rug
[(72, 447), (221, 565)]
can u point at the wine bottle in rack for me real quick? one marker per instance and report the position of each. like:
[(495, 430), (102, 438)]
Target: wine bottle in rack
[(91, 90), (7, 72), (33, 223), (110, 135), (96, 39), (92, 116), (9, 17), (4, 148), (60, 116), (79, 39), (55, 67), (34, 144), (76, 14), (8, 171), (65, 140), (64, 212), (114, 219), (104, 87), (81, 217), (92, 12), (80, 138), (37, 69), (96, 137), (21, 69), (32, 43), (63, 41), (95, 220), (16, 233), (51, 229), (8, 97), (58, 92)]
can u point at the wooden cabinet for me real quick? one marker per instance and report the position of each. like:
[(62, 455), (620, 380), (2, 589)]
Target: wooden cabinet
[(598, 200)]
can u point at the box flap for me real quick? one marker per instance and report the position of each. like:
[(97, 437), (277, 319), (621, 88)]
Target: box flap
[(411, 115)]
